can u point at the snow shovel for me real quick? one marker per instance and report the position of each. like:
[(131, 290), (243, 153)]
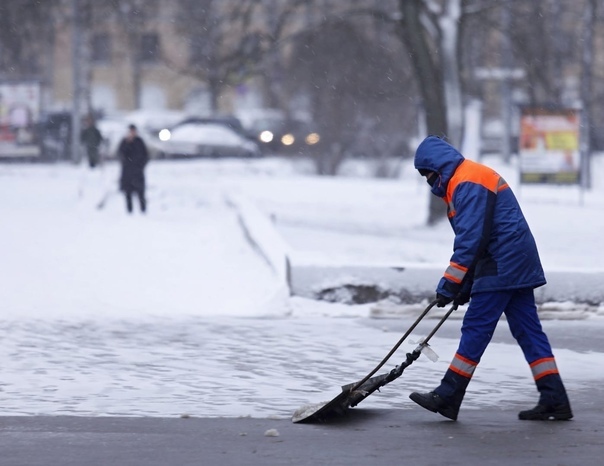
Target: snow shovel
[(352, 394), (103, 202)]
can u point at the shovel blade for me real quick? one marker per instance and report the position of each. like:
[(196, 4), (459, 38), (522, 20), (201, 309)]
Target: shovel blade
[(322, 412)]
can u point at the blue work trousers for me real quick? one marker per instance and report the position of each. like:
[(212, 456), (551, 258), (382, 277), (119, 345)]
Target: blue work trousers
[(484, 312)]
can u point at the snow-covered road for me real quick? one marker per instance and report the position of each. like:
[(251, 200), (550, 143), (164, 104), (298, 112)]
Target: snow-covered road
[(232, 367)]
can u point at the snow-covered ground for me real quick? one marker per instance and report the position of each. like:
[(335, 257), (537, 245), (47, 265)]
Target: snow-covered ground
[(174, 312)]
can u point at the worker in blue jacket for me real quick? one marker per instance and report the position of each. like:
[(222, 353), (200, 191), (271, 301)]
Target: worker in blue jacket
[(495, 267)]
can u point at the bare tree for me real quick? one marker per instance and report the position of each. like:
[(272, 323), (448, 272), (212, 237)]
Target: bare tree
[(133, 16), (357, 93), (226, 40), (219, 42), (431, 31), (431, 34), (25, 36), (540, 38)]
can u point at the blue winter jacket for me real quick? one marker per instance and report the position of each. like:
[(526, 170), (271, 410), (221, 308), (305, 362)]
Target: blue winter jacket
[(494, 248)]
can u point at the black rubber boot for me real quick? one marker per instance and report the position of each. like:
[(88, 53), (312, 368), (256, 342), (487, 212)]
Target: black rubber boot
[(547, 413), (433, 402), (446, 398), (553, 401)]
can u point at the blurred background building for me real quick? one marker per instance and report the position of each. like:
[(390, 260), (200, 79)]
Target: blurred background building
[(364, 71)]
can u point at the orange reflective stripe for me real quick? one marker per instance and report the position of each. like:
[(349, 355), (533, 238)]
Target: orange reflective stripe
[(542, 367), (463, 366), (502, 185), (455, 272), (450, 209)]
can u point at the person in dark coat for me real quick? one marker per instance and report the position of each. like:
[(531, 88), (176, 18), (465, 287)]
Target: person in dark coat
[(92, 138), (133, 156), (495, 267)]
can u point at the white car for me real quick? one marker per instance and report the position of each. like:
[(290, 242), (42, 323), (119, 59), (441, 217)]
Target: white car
[(206, 140)]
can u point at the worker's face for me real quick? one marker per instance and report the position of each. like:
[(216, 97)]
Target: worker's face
[(430, 178)]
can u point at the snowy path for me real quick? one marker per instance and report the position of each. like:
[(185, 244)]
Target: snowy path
[(214, 367), (66, 258)]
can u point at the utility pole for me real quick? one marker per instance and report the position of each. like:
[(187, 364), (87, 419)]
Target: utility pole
[(76, 38), (589, 16), (506, 94)]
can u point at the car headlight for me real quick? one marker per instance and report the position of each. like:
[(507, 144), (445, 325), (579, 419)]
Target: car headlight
[(165, 135), (312, 139), (288, 139), (266, 136)]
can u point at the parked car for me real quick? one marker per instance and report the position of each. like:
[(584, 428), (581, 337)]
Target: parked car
[(206, 140), (150, 123), (153, 121), (225, 120)]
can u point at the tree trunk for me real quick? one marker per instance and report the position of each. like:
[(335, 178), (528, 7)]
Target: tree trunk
[(430, 83), (449, 38), (136, 79), (215, 89)]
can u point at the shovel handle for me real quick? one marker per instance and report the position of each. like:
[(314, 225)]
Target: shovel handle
[(440, 322), (400, 342)]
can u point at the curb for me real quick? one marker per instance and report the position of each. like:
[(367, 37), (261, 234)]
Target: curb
[(263, 237), (411, 283), (408, 283)]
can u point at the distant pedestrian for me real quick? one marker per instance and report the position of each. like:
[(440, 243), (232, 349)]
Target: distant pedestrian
[(133, 156), (92, 138)]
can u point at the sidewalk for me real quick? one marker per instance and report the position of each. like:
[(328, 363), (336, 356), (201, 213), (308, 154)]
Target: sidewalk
[(364, 438)]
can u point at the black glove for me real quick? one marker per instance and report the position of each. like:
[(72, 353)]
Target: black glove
[(462, 298), (452, 290), (442, 300)]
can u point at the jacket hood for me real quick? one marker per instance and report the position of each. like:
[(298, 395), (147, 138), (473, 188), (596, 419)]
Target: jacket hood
[(440, 157)]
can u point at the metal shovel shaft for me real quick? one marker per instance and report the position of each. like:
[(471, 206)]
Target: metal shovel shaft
[(440, 323), (399, 343)]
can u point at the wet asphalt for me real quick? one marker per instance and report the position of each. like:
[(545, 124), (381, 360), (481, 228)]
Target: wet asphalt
[(363, 437), (482, 436)]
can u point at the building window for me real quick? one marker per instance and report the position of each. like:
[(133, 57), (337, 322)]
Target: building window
[(101, 48), (150, 51)]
